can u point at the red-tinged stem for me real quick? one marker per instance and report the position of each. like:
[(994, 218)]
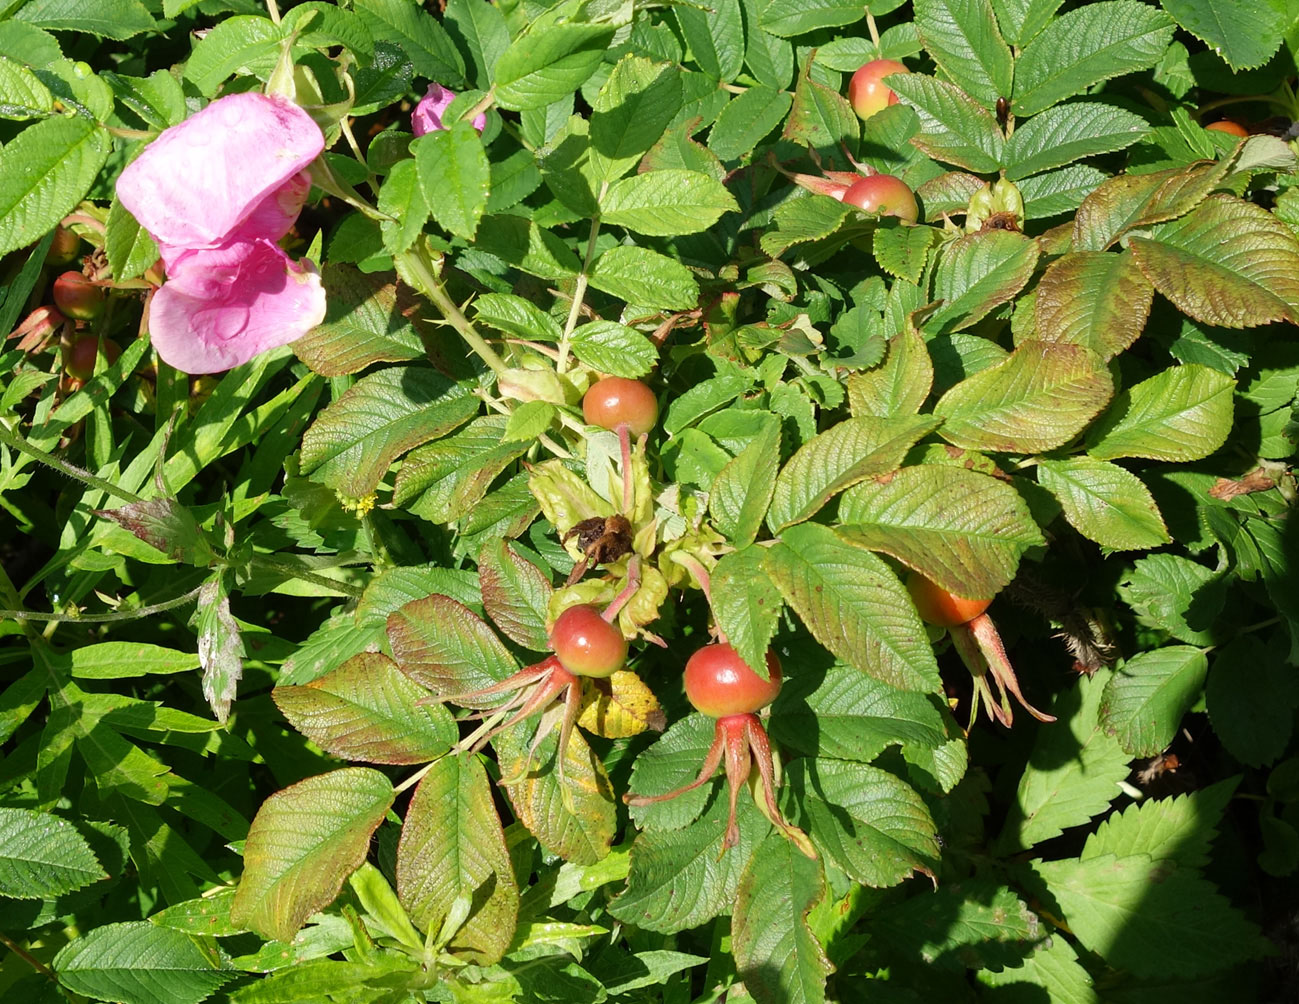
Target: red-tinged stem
[(546, 690), (516, 681), (989, 641), (760, 747), (738, 764), (572, 709), (628, 591), (628, 489), (968, 649), (709, 768)]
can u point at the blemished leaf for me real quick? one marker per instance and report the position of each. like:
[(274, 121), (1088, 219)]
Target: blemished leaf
[(44, 172), (1147, 696), (43, 856), (366, 322), (644, 277), (899, 385), (305, 840), (443, 645), (634, 107), (138, 963), (1245, 33), (1065, 133), (868, 822), (776, 953), (614, 349), (452, 852), (454, 176), (978, 272), (677, 878), (666, 203), (961, 529), (1038, 399), (422, 38), (1085, 46), (1104, 503), (1183, 413), (619, 706), (746, 605), (445, 480), (366, 710), (220, 645), (549, 62), (516, 594), (1251, 697), (853, 450), (820, 117), (168, 526), (1073, 772), (1229, 263), (954, 128), (1094, 299), (352, 442), (1137, 913), (854, 605), (962, 38)]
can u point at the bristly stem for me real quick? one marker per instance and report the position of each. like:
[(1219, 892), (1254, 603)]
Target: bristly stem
[(117, 615), (579, 291), (431, 286), (15, 441)]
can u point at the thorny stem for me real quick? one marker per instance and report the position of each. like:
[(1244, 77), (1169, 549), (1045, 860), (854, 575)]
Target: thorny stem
[(117, 615), (628, 591), (15, 441), (579, 291), (419, 265)]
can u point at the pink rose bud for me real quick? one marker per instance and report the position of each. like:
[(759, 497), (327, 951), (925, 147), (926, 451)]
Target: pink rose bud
[(427, 116)]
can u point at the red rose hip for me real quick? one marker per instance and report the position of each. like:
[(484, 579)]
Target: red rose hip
[(616, 401), (77, 297), (883, 194), (586, 644), (81, 357), (867, 92), (939, 607), (1229, 127), (720, 683)]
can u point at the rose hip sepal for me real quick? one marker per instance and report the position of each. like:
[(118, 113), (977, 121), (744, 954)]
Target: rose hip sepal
[(721, 685)]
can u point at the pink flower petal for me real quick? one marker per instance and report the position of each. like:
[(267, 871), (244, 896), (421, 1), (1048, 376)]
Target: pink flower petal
[(220, 307), (275, 215), (427, 116), (198, 181)]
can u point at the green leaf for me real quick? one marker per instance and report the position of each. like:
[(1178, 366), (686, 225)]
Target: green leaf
[(746, 120), (523, 244), (1175, 594), (44, 172), (820, 117), (1084, 47), (516, 595), (646, 278), (516, 316), (365, 710), (452, 857), (1073, 772), (1037, 399), (115, 19), (1022, 20), (978, 272), (853, 450), (869, 824), (445, 480), (903, 251), (1177, 830), (786, 18), (454, 176), (352, 442), (1057, 192), (1138, 914), (1251, 698), (1244, 33), (1066, 133), (854, 605), (424, 41), (1097, 300), (242, 44), (716, 37), (1229, 263), (900, 384), (954, 128), (671, 762), (742, 490), (1104, 503), (365, 323), (776, 953), (1147, 696), (443, 645), (746, 605), (128, 245), (138, 963), (549, 62), (634, 107), (482, 32), (1054, 967), (964, 530), (666, 203), (22, 95), (614, 349), (962, 37), (43, 856), (1183, 413), (115, 660), (303, 843)]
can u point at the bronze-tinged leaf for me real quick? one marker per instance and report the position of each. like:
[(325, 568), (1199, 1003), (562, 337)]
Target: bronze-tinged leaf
[(978, 272), (620, 706), (167, 525), (452, 857), (443, 645), (1111, 208), (303, 843), (1229, 263), (366, 321), (898, 385), (1094, 299), (515, 595), (366, 710)]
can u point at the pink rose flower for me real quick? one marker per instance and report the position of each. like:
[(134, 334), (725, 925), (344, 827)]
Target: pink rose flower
[(427, 116), (217, 192)]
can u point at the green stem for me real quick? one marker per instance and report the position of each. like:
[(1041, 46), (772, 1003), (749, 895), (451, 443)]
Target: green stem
[(487, 101), (272, 8), (431, 286), (874, 31), (26, 956), (271, 565), (15, 441), (117, 615), (579, 291)]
